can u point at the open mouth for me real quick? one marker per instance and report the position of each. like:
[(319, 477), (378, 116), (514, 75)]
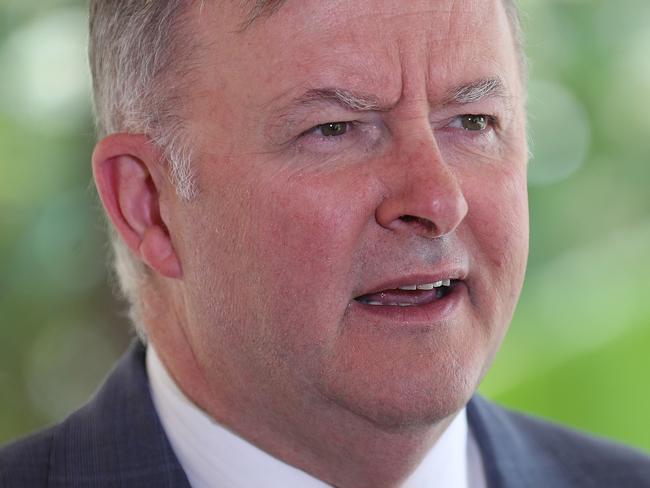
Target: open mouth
[(412, 295)]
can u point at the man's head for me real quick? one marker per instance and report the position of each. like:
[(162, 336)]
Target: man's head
[(140, 57), (344, 153)]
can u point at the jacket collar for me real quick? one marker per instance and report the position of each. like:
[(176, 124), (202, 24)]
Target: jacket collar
[(116, 439)]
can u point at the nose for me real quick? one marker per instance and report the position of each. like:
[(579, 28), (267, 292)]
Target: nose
[(423, 193)]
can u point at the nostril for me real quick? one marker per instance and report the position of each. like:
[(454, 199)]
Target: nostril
[(411, 218), (425, 226)]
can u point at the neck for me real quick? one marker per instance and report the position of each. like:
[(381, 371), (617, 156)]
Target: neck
[(345, 451)]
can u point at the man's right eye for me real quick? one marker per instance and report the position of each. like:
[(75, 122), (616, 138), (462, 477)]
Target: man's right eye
[(341, 136)]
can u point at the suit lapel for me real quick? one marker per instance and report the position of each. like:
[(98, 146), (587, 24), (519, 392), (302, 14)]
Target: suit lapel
[(519, 451), (503, 451), (116, 439)]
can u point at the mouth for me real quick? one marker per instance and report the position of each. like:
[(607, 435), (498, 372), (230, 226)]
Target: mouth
[(411, 295)]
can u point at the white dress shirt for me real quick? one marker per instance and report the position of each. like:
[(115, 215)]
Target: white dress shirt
[(214, 457)]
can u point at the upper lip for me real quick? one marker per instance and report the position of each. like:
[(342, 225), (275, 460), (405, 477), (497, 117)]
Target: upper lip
[(415, 279)]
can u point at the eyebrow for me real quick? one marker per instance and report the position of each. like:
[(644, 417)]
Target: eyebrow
[(473, 92), (347, 99), (476, 92)]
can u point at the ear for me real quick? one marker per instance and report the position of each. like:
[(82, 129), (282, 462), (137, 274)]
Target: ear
[(127, 173)]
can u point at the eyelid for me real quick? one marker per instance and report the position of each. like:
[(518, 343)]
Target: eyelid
[(349, 123), (492, 120), (359, 138)]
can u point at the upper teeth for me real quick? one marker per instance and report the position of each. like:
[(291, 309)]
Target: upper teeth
[(426, 286)]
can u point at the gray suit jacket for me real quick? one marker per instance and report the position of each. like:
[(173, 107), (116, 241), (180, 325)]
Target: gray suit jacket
[(116, 440)]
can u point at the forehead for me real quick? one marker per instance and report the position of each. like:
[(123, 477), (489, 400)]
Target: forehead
[(370, 44)]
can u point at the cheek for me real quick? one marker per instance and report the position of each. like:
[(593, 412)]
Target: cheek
[(304, 242), (498, 223), (309, 233)]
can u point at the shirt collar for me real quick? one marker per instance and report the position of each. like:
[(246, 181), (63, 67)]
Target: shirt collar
[(211, 455)]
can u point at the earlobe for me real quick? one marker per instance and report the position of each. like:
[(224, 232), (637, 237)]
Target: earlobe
[(126, 169)]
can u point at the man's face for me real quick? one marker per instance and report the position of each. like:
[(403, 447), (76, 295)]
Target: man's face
[(346, 149)]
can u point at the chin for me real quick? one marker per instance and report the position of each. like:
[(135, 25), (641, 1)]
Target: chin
[(405, 403)]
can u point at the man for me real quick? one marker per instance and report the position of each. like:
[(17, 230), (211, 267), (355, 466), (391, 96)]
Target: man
[(320, 218)]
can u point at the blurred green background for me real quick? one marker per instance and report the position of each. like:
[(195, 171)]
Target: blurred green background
[(578, 350)]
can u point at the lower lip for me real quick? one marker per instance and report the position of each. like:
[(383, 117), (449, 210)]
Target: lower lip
[(430, 315)]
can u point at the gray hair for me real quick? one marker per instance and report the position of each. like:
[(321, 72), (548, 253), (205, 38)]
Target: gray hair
[(139, 60), (135, 61)]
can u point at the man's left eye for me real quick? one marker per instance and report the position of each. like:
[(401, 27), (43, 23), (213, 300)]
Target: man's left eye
[(332, 129), (474, 122)]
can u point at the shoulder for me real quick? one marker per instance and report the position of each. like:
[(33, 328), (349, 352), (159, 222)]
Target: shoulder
[(41, 458), (537, 450), (113, 440), (24, 463)]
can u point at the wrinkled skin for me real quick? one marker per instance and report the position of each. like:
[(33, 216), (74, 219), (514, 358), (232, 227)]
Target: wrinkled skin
[(293, 223)]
